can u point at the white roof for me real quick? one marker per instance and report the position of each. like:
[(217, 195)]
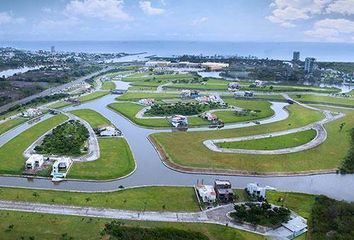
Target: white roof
[(296, 224), (34, 157), (222, 182)]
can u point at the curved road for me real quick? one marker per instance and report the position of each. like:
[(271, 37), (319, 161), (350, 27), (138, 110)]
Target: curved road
[(150, 170)]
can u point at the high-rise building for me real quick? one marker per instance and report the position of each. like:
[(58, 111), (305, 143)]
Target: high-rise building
[(52, 49), (296, 56), (309, 64)]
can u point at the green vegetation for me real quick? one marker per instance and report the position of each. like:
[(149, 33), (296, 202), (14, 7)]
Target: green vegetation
[(261, 214), (139, 199), (348, 162), (116, 160), (189, 108), (60, 104), (117, 230), (150, 76), (210, 84), (324, 156), (95, 119), (129, 110), (340, 101), (289, 88), (331, 219), (272, 143), (108, 85), (93, 96), (130, 96), (66, 139), (11, 158), (300, 203), (31, 226), (9, 124)]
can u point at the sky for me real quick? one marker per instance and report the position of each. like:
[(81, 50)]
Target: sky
[(185, 20)]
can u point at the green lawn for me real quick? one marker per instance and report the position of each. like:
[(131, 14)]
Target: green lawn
[(300, 203), (131, 96), (148, 198), (92, 96), (340, 101), (116, 160), (11, 159), (262, 109), (129, 110), (48, 226), (272, 143), (108, 85), (156, 77), (222, 86), (9, 124), (290, 88), (92, 117), (187, 149)]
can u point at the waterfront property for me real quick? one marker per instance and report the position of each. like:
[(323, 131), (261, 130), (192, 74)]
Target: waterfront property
[(206, 193), (34, 161), (61, 167)]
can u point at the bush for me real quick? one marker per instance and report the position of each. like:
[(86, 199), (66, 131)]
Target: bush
[(348, 162)]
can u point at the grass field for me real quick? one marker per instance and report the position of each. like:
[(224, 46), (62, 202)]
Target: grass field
[(92, 117), (130, 96), (290, 88), (47, 226), (9, 124), (187, 149), (272, 143), (129, 110), (116, 160), (148, 198), (11, 158), (93, 96), (108, 85), (308, 98), (155, 77), (211, 84)]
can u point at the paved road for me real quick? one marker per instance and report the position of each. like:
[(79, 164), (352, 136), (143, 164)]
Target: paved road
[(52, 90)]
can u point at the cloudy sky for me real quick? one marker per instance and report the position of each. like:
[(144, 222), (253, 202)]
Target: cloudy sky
[(205, 20)]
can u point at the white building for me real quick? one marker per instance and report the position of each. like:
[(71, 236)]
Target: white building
[(206, 193), (209, 116), (34, 161), (255, 190), (109, 132), (259, 83), (210, 99), (179, 120), (158, 63), (147, 101), (296, 226), (213, 66), (32, 112), (60, 167), (309, 64), (233, 86)]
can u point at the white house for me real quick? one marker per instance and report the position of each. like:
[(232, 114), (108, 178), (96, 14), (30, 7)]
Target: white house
[(34, 161), (179, 120), (206, 193), (209, 116), (60, 167), (109, 132), (296, 226), (32, 112), (255, 190), (158, 63), (214, 65), (210, 99), (147, 101), (233, 86)]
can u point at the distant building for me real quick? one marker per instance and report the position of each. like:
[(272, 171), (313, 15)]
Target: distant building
[(233, 86), (109, 132), (214, 66), (309, 64), (295, 227), (223, 190), (179, 121), (209, 116), (296, 56), (52, 49), (147, 101), (210, 99), (32, 112), (34, 161), (186, 93)]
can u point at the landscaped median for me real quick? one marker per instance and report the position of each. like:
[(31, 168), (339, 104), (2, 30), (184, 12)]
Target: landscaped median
[(116, 159), (93, 96), (11, 158), (185, 150)]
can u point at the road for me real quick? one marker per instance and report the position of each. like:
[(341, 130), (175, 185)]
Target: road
[(52, 90)]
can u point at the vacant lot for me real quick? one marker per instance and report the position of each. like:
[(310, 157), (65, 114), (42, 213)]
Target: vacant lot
[(92, 117), (271, 143), (93, 96), (340, 101), (108, 85), (130, 96), (116, 160)]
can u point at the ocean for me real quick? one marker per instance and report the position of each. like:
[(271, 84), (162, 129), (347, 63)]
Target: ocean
[(283, 50)]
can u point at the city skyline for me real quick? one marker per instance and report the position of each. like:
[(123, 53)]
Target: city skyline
[(225, 20)]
